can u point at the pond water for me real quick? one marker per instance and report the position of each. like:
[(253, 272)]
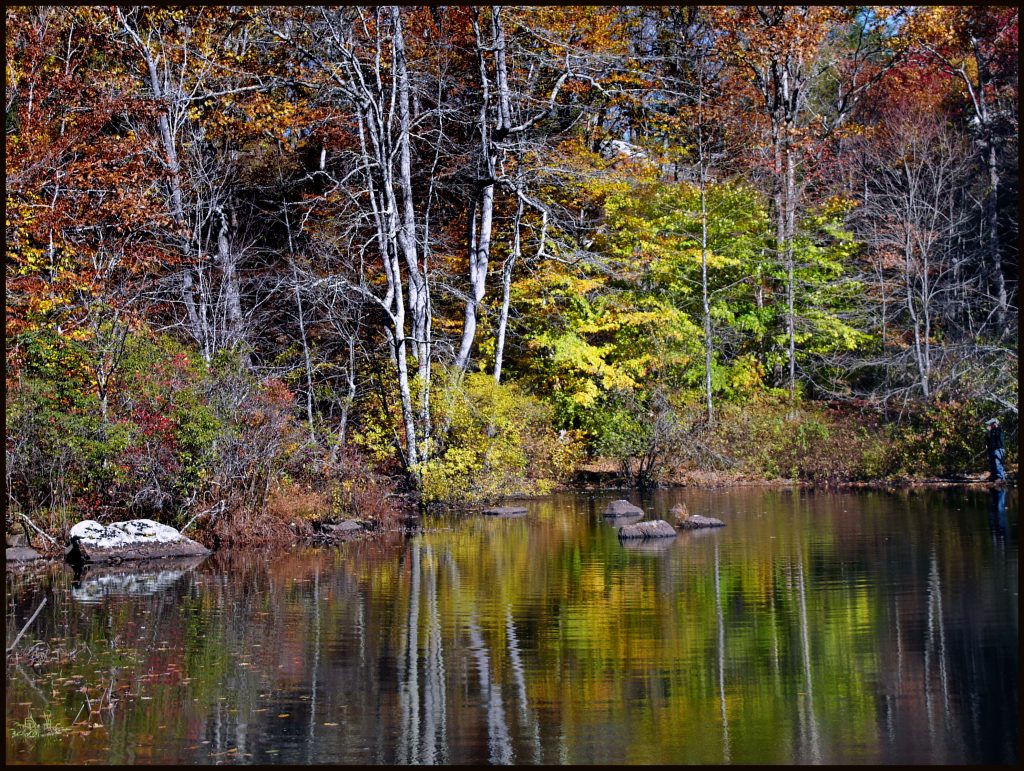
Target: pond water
[(816, 627)]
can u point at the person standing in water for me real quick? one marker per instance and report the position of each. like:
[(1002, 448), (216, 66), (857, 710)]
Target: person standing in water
[(996, 450)]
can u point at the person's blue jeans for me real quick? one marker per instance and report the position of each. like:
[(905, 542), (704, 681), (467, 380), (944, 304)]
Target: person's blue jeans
[(995, 464)]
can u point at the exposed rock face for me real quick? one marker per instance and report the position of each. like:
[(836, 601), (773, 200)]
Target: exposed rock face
[(22, 554), (696, 521), (16, 539), (657, 528), (337, 531), (131, 540), (622, 508), (506, 511), (345, 526)]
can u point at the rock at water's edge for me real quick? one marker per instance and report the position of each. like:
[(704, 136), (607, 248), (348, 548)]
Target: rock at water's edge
[(131, 540), (696, 521), (622, 508), (16, 539), (345, 526), (22, 554), (506, 511), (657, 528)]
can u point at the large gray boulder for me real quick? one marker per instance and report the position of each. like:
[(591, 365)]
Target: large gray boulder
[(333, 532), (696, 522), (345, 526), (655, 528), (622, 508), (134, 539)]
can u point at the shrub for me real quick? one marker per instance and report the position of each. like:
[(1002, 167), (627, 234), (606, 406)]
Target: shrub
[(944, 439), (816, 444), (343, 486), (172, 435), (498, 442), (645, 434)]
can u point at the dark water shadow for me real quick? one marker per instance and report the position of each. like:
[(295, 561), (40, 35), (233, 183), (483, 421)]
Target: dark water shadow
[(648, 545)]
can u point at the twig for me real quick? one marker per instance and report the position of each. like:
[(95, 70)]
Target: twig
[(32, 524), (27, 625), (219, 506)]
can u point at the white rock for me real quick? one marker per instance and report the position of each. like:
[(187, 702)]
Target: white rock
[(119, 534)]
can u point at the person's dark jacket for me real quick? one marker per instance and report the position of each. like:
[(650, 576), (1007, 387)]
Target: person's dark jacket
[(994, 439)]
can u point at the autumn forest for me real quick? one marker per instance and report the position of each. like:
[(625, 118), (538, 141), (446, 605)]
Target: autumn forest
[(267, 263)]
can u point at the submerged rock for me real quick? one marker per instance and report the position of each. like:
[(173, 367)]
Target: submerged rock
[(131, 540), (696, 521), (506, 511), (656, 528), (22, 554), (622, 508)]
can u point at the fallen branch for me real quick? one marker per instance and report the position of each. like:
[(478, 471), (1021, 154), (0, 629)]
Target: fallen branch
[(27, 625), (32, 524), (218, 506)]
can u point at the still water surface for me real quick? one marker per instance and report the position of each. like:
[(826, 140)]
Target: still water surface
[(861, 627)]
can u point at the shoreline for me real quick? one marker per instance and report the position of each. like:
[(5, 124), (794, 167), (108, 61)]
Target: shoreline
[(702, 481)]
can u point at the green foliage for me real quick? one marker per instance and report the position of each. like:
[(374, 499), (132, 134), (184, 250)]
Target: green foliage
[(644, 432), (820, 444), (499, 442), (31, 728), (635, 316), (944, 439), (817, 444), (175, 433)]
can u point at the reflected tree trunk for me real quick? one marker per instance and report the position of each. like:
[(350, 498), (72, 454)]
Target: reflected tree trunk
[(935, 641), (409, 694), (526, 715), (721, 662), (807, 703), (498, 742), (435, 724), (310, 741)]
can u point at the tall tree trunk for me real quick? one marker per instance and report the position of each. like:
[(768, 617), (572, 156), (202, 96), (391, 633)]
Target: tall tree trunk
[(919, 354), (480, 240), (418, 302), (995, 267), (232, 294), (298, 301), (702, 160), (506, 290), (790, 280)]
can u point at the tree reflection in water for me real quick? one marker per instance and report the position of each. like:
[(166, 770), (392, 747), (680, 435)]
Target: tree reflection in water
[(855, 627)]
